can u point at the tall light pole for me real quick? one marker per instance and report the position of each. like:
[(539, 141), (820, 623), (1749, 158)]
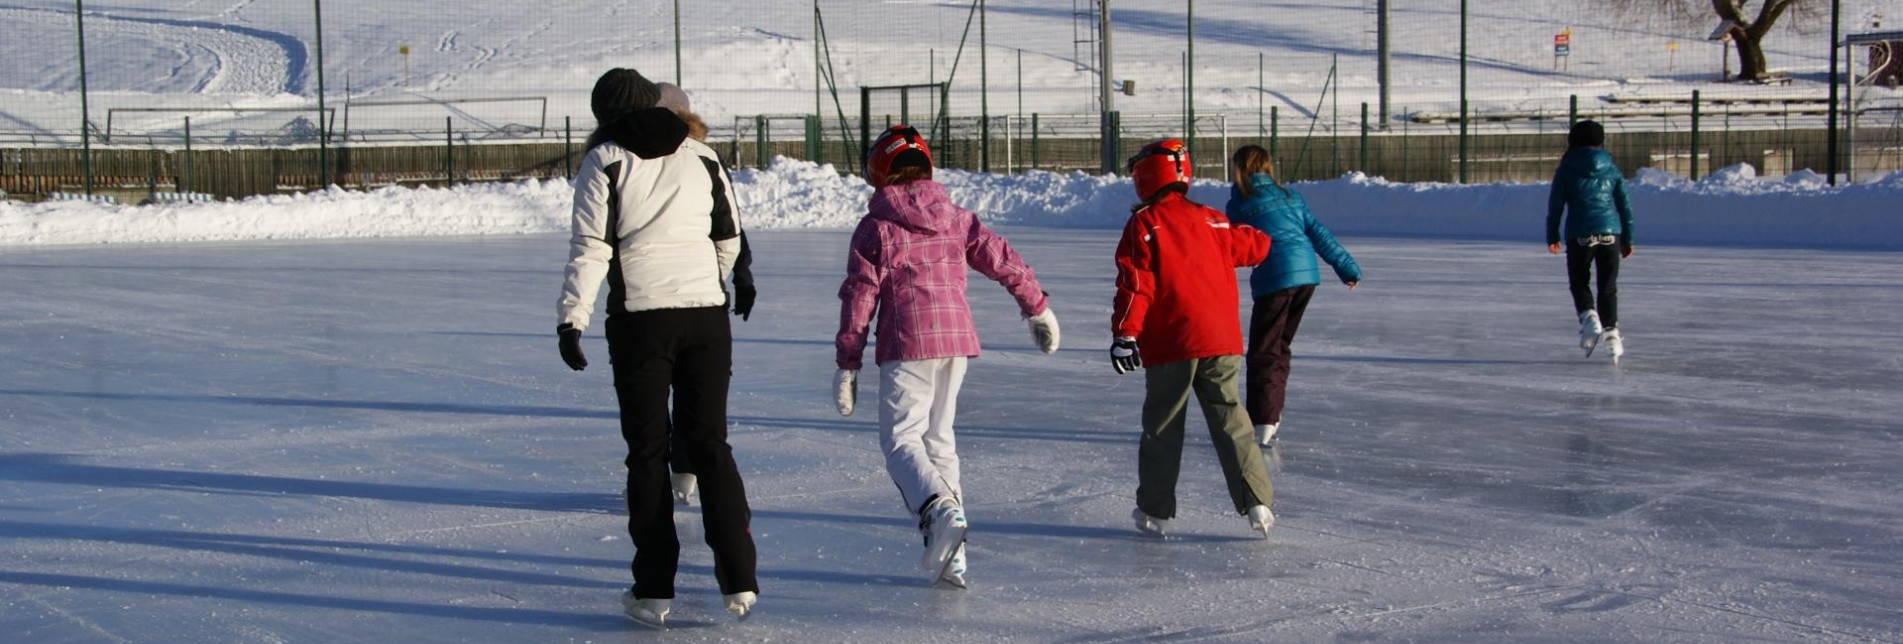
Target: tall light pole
[(1108, 118), (85, 112), (677, 43), (1189, 83), (1830, 147), (323, 127), (1384, 53), (1463, 91), (984, 93)]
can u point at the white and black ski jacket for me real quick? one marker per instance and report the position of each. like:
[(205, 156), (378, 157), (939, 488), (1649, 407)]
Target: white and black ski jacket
[(654, 216)]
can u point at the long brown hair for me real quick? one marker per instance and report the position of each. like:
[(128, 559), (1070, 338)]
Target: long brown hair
[(1248, 161)]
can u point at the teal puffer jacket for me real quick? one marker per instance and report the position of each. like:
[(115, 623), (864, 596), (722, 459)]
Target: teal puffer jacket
[(1297, 238), (1589, 186)]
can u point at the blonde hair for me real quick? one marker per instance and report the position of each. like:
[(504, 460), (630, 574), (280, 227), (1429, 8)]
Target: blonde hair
[(696, 127), (1248, 161)]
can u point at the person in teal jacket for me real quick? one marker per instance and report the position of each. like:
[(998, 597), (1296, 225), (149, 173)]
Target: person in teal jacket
[(1590, 191), (1283, 283)]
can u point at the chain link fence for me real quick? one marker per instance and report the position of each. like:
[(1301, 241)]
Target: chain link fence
[(229, 100)]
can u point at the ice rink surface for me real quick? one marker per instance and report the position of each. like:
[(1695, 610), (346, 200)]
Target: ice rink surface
[(370, 441)]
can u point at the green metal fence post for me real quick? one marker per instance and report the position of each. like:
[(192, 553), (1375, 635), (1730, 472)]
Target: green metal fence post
[(1275, 128), (1364, 138), (1036, 159), (449, 152), (1572, 110), (1463, 91), (759, 141), (85, 112), (1694, 173), (568, 147), (812, 138), (185, 181)]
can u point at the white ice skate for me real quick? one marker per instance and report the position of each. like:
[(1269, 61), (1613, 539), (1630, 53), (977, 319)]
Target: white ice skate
[(1261, 519), (741, 603), (1589, 331), (944, 526), (646, 612), (684, 485), (1265, 434), (1615, 344), (1150, 525), (955, 573)]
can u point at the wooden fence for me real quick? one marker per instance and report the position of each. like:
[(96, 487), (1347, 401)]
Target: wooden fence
[(133, 174)]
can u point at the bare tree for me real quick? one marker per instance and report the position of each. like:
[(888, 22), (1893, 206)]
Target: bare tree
[(1747, 22)]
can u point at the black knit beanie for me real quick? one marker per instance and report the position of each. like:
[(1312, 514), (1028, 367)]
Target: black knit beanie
[(621, 92), (1586, 134)]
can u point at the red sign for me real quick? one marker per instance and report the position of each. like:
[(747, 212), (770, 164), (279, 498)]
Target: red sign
[(1562, 40)]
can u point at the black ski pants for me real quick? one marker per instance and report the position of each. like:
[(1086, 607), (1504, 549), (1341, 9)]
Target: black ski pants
[(685, 354), (1580, 261), (1272, 325)]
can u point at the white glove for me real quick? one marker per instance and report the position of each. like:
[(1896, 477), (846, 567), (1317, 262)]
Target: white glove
[(845, 390), (1044, 330)]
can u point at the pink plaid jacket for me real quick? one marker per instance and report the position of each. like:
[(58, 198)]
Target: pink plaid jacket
[(907, 264)]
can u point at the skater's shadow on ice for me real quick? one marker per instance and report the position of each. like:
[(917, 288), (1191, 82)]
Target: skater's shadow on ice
[(65, 469), (600, 620), (1106, 437), (424, 560), (372, 405), (984, 527), (1426, 361)]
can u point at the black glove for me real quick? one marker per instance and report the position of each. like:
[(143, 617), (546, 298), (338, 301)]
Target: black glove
[(1124, 356), (743, 295), (571, 346)]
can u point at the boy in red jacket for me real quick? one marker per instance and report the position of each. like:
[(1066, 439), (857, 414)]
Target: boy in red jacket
[(1176, 298)]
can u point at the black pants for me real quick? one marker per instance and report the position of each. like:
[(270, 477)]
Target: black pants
[(1580, 261), (688, 354), (1272, 326)]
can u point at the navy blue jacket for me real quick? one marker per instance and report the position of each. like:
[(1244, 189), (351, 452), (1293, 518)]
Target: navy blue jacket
[(1589, 186), (1297, 238)]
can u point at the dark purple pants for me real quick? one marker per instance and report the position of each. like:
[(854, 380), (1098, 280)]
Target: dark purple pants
[(1272, 326)]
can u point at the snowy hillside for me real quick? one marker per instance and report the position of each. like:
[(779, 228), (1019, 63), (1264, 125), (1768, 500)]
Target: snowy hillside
[(745, 58)]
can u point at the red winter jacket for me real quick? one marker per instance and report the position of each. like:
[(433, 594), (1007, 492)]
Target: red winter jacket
[(1176, 280)]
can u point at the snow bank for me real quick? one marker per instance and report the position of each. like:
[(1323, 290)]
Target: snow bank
[(1731, 207)]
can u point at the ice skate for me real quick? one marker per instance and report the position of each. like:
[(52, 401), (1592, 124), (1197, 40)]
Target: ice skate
[(1615, 344), (954, 575), (1589, 331), (1150, 525), (1261, 519), (740, 603), (646, 612), (684, 485), (1265, 434), (944, 526)]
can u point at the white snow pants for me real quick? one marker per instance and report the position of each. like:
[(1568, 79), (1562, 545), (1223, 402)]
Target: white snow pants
[(918, 399)]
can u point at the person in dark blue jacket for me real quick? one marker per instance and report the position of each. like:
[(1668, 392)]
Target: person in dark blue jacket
[(1283, 283), (1590, 190)]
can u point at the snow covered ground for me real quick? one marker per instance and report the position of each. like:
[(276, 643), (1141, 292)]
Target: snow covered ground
[(1730, 207), (350, 440), (743, 58)]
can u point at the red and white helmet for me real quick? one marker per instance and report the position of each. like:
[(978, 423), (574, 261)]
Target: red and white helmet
[(898, 147), (1160, 165)]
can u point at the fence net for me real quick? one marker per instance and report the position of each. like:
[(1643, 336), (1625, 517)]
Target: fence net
[(1024, 80)]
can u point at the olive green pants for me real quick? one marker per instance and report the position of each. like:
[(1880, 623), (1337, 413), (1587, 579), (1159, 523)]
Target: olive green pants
[(1165, 410)]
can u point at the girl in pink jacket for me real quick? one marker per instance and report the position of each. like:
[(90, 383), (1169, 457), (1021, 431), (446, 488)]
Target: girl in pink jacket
[(907, 264)]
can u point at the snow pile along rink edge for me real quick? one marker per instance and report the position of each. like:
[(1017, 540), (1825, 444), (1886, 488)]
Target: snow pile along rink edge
[(1731, 207)]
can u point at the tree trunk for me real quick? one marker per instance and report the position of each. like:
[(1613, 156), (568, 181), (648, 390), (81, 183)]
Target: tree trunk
[(1751, 65)]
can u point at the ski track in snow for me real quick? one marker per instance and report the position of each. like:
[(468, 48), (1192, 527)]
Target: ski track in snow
[(216, 58)]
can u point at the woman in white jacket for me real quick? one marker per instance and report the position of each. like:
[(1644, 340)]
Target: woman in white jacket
[(654, 217)]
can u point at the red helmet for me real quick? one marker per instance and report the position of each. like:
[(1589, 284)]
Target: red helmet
[(1160, 165), (898, 147)]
